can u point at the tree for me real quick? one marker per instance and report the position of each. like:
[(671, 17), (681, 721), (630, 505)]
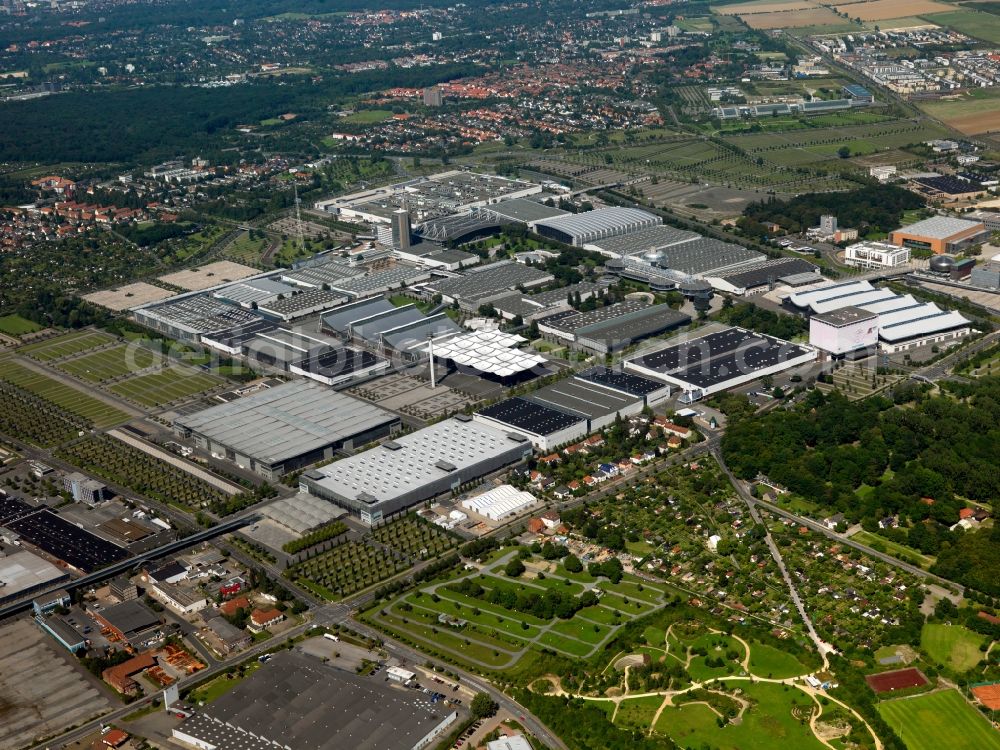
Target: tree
[(844, 151), (572, 564), (514, 568), (482, 706)]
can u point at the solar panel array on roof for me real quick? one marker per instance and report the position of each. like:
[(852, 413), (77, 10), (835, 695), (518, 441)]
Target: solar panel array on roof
[(768, 271), (587, 399), (621, 381), (529, 416), (721, 356)]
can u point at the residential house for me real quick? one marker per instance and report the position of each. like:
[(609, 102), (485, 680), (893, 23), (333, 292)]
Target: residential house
[(262, 619)]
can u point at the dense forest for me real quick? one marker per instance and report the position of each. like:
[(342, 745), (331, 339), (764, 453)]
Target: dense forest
[(920, 463), (748, 315), (148, 125), (871, 208)]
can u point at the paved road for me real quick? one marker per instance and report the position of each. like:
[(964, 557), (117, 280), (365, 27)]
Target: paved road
[(821, 646)]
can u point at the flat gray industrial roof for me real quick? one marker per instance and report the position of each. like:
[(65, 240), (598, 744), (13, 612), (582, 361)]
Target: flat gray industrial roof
[(289, 420), (487, 280), (341, 317), (299, 703), (303, 300), (24, 571), (590, 400), (645, 240), (939, 227), (591, 225), (706, 256), (198, 314), (378, 281), (524, 210), (770, 270), (411, 461), (303, 512), (844, 316)]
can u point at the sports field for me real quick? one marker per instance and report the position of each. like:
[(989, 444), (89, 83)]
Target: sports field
[(167, 385), (109, 363), (952, 645), (65, 345), (101, 414), (942, 720)]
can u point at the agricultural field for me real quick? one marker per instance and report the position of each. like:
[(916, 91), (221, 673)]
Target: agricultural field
[(939, 720), (985, 26), (794, 19), (880, 10), (15, 325), (973, 112), (953, 646), (166, 386), (108, 364), (762, 6), (65, 345), (94, 411), (802, 147), (130, 467)]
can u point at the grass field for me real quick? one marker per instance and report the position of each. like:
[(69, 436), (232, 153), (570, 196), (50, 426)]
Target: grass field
[(15, 325), (768, 661), (70, 399), (973, 111), (167, 385), (952, 645), (65, 345), (769, 724), (367, 116), (109, 363), (939, 721), (892, 548), (983, 26)]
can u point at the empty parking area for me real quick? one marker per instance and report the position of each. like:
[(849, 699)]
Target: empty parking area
[(41, 693)]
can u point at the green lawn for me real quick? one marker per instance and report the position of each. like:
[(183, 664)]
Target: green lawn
[(985, 26), (769, 724), (691, 721), (939, 721), (952, 645), (638, 713), (367, 116), (767, 661), (15, 325), (880, 543)]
